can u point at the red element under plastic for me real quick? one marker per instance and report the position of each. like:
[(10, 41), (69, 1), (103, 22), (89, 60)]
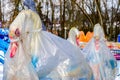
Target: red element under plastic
[(77, 41), (13, 49)]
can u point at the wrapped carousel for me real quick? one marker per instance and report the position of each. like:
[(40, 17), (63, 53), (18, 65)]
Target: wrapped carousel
[(99, 56), (35, 54)]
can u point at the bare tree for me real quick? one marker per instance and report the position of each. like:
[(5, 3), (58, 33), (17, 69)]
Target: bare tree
[(84, 12), (52, 7), (16, 8), (78, 13)]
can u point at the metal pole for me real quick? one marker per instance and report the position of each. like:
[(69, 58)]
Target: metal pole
[(65, 33)]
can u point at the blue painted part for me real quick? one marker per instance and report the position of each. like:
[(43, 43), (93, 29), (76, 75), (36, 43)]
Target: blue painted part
[(119, 38), (34, 61), (1, 61), (3, 45), (45, 78), (83, 79), (113, 64)]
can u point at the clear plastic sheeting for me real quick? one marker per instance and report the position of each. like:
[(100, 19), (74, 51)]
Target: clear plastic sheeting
[(98, 31), (19, 67), (118, 73), (53, 58), (18, 64), (73, 35), (99, 57), (60, 60)]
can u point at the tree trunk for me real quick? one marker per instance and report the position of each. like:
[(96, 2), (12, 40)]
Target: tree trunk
[(52, 6), (85, 13), (97, 2), (63, 20), (16, 10)]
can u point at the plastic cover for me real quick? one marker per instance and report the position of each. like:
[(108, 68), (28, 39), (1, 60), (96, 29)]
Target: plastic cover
[(53, 58), (98, 31), (74, 36), (99, 56), (18, 64)]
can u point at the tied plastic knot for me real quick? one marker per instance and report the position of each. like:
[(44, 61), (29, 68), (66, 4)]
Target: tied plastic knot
[(18, 35), (14, 42)]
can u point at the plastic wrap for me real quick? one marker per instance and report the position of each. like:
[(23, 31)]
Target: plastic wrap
[(19, 67), (53, 58), (99, 56), (74, 36), (60, 61), (98, 31), (18, 64)]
